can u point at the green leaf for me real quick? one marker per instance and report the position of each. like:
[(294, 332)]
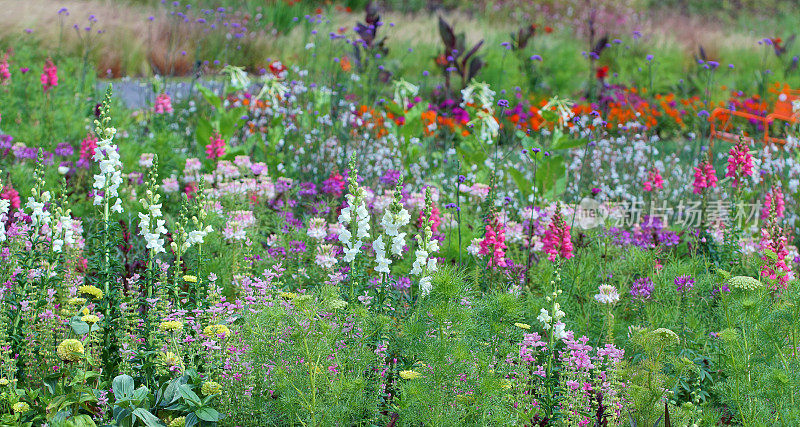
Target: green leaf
[(208, 414), (203, 132), (189, 395), (122, 386), (79, 326), (191, 420), (210, 96), (523, 184), (147, 418), (83, 421)]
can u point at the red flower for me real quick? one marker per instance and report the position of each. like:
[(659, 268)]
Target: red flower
[(548, 30), (602, 72)]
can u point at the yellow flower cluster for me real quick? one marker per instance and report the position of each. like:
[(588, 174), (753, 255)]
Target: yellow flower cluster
[(21, 407), (210, 387), (70, 350), (91, 290), (523, 325), (190, 279), (177, 422), (90, 319), (409, 375), (4, 382), (76, 301), (171, 361), (216, 331), (171, 326)]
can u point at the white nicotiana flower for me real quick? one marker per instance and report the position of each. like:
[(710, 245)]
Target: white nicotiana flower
[(488, 126), (273, 89), (239, 78), (478, 93), (403, 91)]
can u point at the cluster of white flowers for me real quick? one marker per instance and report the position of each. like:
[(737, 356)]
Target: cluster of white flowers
[(607, 294), (354, 218), (489, 127), (403, 92), (317, 228), (380, 256), (4, 208), (424, 264), (39, 217), (479, 94), (358, 221), (196, 237), (554, 321), (106, 154), (63, 234), (273, 90), (395, 218), (151, 227)]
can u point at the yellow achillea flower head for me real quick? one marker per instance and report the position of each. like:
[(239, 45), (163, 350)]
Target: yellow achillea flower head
[(409, 374), (170, 326), (91, 290), (90, 318), (523, 325), (191, 279), (4, 382), (216, 331), (177, 422), (76, 301), (210, 387), (21, 407), (70, 350)]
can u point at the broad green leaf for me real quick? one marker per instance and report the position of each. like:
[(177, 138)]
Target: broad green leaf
[(208, 414), (122, 386), (147, 418)]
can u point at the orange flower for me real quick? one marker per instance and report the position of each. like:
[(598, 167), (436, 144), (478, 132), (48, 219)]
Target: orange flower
[(344, 62)]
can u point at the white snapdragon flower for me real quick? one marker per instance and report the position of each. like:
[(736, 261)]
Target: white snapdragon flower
[(4, 207), (380, 256), (109, 179), (545, 318)]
